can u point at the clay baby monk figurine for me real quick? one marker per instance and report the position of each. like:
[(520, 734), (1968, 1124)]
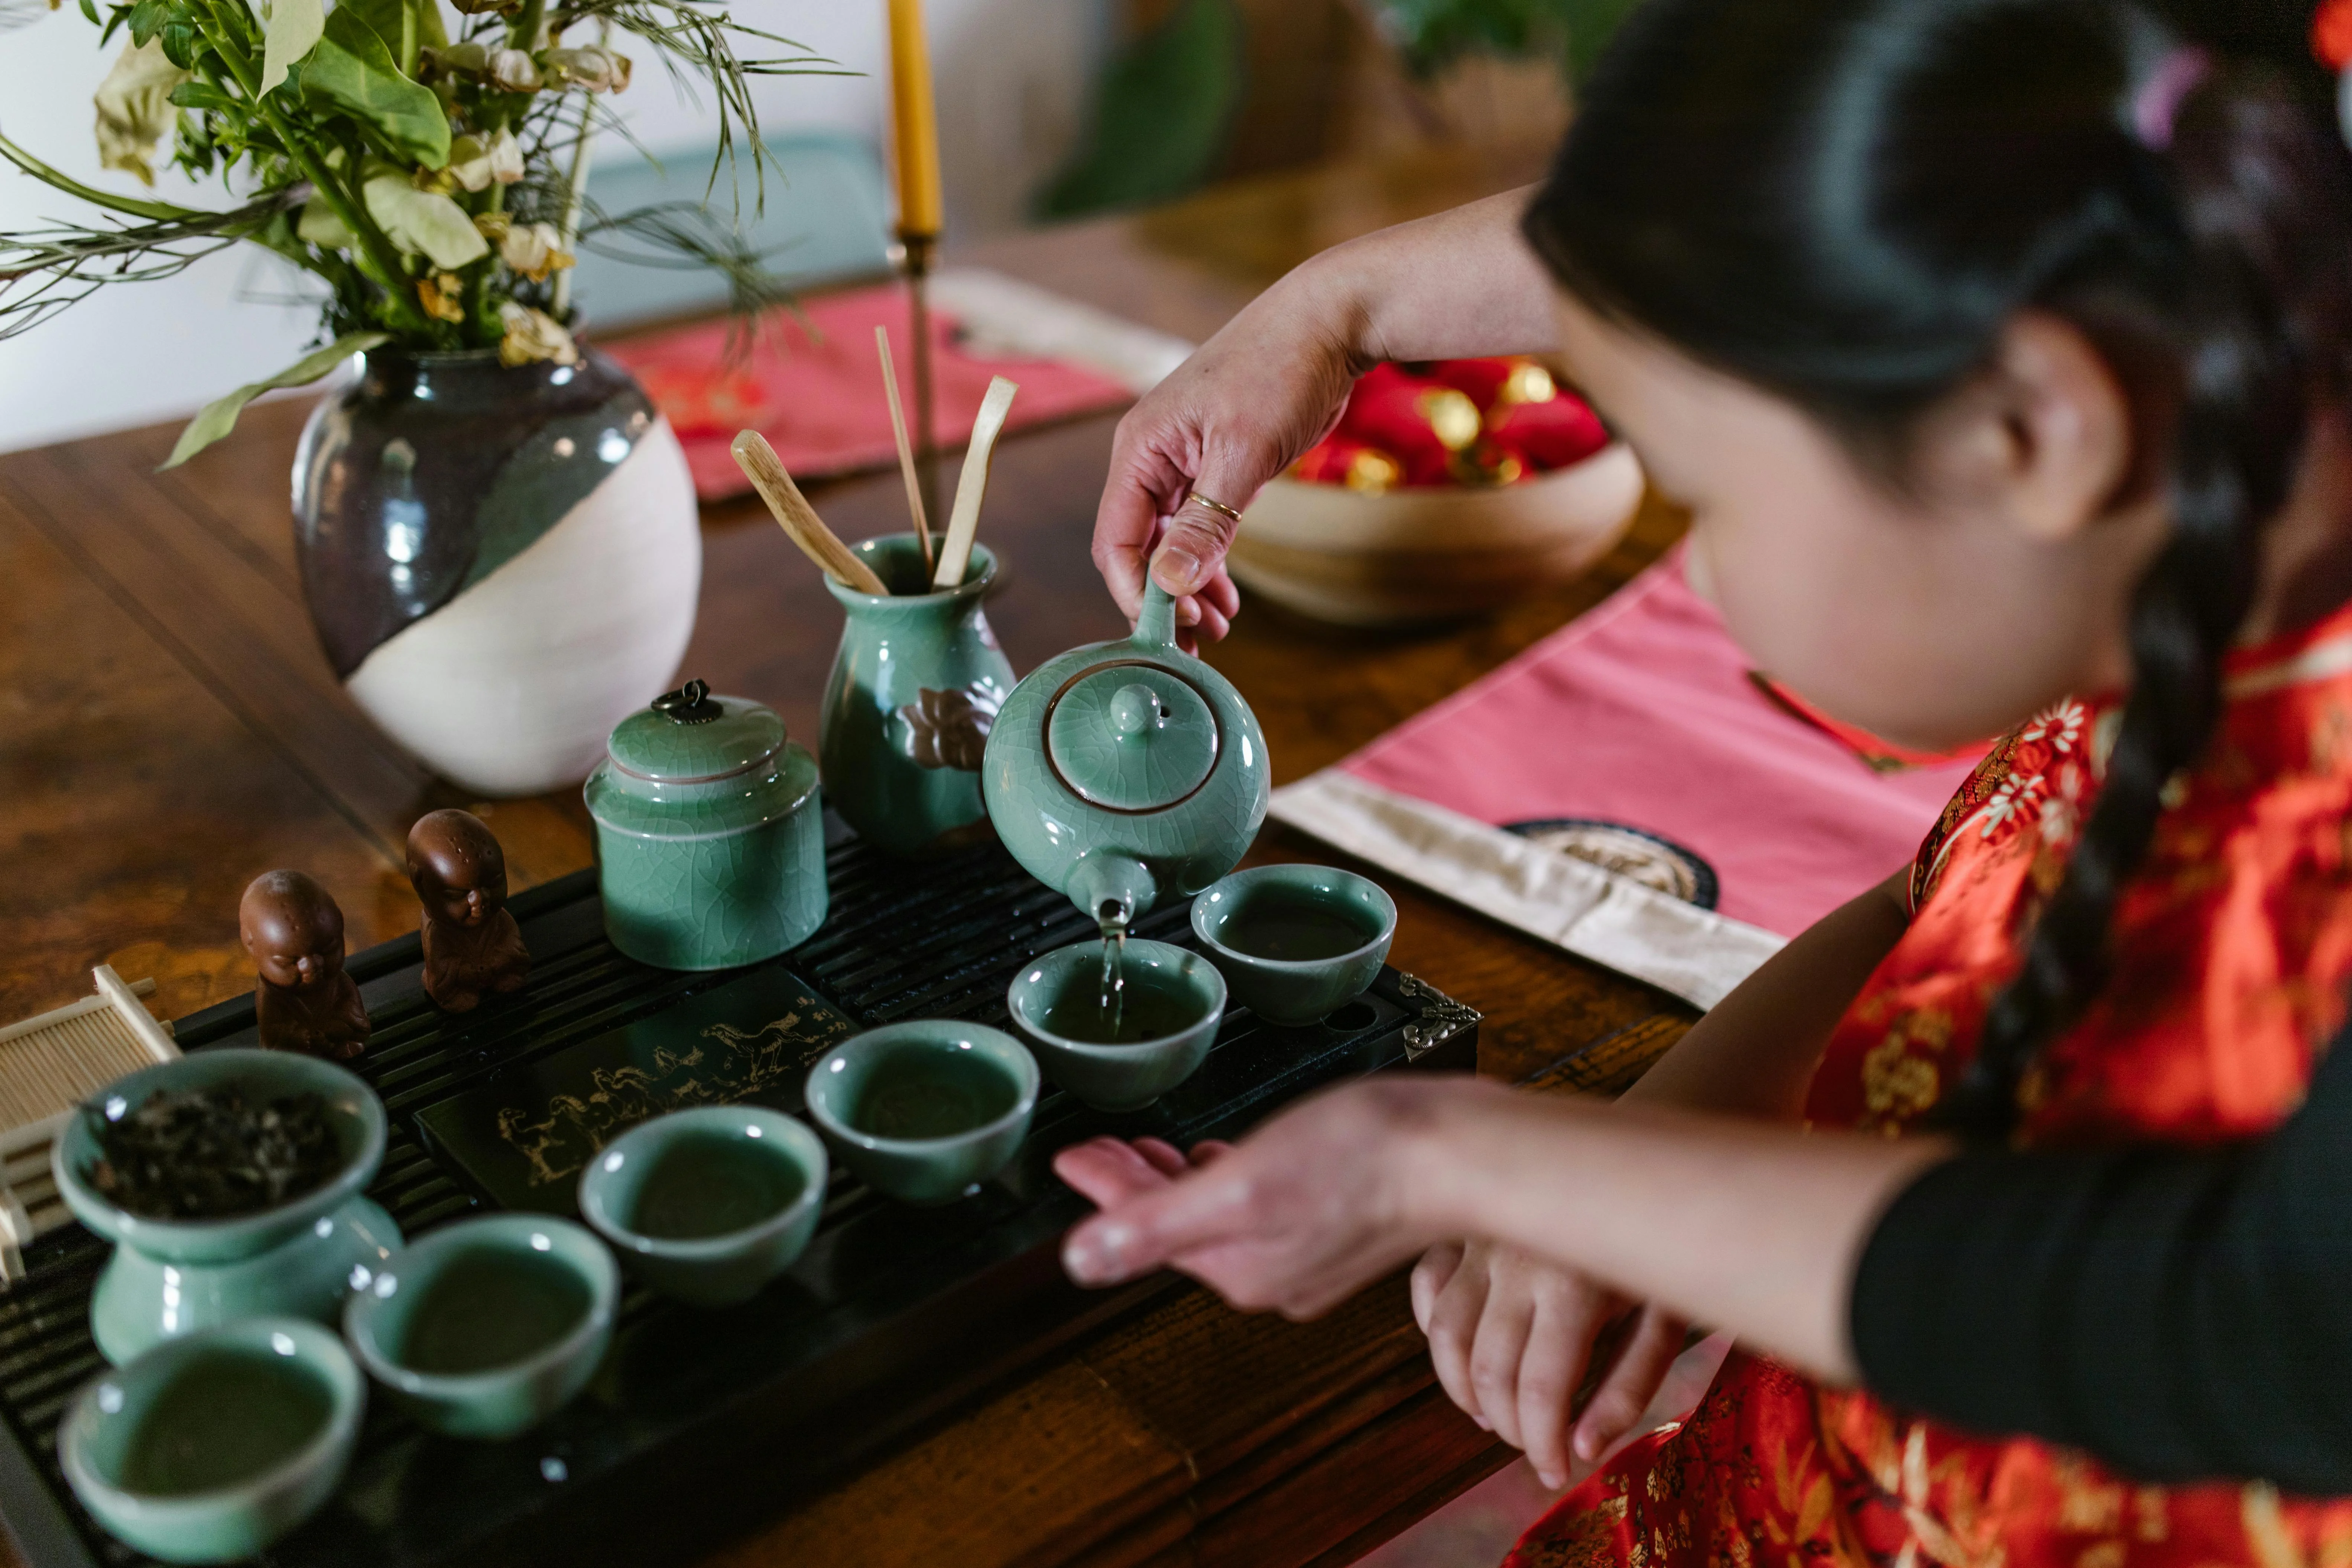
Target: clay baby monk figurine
[(305, 1001), (472, 945)]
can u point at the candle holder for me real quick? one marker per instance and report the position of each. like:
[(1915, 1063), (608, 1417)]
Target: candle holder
[(914, 253)]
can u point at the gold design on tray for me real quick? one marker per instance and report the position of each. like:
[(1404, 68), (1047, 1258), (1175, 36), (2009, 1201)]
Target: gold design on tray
[(735, 1064)]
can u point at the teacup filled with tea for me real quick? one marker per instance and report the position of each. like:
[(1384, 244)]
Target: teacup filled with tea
[(485, 1327), (209, 1447), (1119, 1024), (710, 1203), (924, 1111), (1295, 943)]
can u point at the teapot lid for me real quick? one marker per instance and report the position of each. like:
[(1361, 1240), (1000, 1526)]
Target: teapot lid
[(1131, 735), (689, 736)]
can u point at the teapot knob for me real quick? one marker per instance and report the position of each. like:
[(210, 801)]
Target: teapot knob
[(1134, 710)]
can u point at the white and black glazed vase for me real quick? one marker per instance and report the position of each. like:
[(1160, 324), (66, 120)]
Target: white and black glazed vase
[(501, 561)]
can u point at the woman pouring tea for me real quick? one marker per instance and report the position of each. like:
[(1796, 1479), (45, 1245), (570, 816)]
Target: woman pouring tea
[(1999, 352)]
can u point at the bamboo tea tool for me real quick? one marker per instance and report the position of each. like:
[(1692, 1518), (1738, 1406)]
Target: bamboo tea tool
[(48, 1064), (907, 471), (972, 487), (799, 519)]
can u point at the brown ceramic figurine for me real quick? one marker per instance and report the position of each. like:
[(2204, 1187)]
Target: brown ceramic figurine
[(305, 1001), (472, 946)]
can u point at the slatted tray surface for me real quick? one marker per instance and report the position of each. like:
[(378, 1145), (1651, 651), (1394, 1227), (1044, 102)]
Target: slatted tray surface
[(702, 1422)]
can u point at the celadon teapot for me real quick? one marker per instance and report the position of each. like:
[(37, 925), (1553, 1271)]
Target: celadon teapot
[(1127, 771)]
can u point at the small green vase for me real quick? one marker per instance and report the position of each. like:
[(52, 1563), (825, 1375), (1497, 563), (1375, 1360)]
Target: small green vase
[(915, 690)]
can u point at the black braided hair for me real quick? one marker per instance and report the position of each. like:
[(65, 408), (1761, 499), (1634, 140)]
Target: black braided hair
[(1845, 202)]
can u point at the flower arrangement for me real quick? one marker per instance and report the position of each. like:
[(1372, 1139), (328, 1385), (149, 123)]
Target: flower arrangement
[(426, 168)]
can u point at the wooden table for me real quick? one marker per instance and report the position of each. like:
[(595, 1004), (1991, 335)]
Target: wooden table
[(168, 729)]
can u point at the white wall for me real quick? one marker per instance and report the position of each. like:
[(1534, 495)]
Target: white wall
[(1013, 78)]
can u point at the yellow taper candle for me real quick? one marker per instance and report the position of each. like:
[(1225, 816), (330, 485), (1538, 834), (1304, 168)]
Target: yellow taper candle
[(915, 121)]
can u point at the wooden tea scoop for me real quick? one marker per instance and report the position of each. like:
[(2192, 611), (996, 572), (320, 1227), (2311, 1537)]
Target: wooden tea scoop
[(972, 487), (819, 543), (906, 449)]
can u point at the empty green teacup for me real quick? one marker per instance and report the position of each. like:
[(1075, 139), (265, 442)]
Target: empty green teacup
[(707, 1205), (1119, 1047), (487, 1326), (928, 1111), (209, 1447), (1295, 943)]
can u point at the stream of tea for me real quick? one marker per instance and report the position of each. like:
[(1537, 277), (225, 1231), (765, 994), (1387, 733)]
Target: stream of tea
[(1114, 973)]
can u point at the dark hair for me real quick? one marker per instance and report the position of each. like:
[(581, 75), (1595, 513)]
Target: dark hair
[(1843, 202)]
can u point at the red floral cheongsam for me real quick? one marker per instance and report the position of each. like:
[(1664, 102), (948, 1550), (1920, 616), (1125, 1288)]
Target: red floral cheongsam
[(2233, 943)]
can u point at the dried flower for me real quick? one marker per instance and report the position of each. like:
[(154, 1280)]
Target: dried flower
[(596, 68), (512, 71), (493, 226), (441, 296), (135, 111), (422, 222), (476, 162), (456, 59), (533, 336), (534, 251)]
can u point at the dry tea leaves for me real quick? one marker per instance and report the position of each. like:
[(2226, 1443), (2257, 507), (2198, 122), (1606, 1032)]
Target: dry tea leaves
[(208, 1153)]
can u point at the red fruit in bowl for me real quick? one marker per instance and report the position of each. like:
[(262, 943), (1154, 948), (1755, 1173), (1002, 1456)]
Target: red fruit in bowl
[(1555, 434)]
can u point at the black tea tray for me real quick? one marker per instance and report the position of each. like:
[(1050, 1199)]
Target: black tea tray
[(701, 1424)]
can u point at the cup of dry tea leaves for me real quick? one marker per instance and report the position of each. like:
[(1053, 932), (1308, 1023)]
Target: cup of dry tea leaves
[(230, 1183)]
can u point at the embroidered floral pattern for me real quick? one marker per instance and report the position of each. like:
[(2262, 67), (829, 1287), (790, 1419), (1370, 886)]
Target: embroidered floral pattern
[(2240, 919)]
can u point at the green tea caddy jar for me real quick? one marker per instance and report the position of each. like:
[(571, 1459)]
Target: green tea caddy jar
[(915, 686), (710, 835), (1126, 773)]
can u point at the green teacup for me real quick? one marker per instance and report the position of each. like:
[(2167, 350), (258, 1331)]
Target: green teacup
[(707, 1205), (1295, 943), (487, 1326), (924, 1111), (1154, 1036), (209, 1446)]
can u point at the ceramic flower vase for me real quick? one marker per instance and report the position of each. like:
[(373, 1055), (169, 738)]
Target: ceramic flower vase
[(500, 562), (915, 689)]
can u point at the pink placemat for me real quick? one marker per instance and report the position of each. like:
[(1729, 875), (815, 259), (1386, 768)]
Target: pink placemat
[(1640, 715), (814, 387)]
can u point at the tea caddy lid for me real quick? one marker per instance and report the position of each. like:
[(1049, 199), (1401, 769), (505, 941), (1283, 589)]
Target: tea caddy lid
[(1131, 735), (689, 736)]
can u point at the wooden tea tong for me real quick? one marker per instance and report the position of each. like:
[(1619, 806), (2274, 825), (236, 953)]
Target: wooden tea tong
[(821, 545)]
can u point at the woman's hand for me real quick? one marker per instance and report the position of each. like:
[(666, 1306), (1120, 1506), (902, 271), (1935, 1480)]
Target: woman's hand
[(1312, 1207), (1514, 1338), (1247, 405), (1275, 380)]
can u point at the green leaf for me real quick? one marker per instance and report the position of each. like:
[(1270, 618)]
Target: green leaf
[(180, 41), (147, 19), (218, 417), (383, 15), (90, 10), (295, 28), (322, 228), (351, 70), (201, 95), (424, 223)]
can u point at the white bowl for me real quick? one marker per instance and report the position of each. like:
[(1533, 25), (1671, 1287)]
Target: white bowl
[(1430, 553)]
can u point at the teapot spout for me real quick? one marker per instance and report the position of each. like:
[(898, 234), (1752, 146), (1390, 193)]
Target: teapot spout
[(1114, 889)]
